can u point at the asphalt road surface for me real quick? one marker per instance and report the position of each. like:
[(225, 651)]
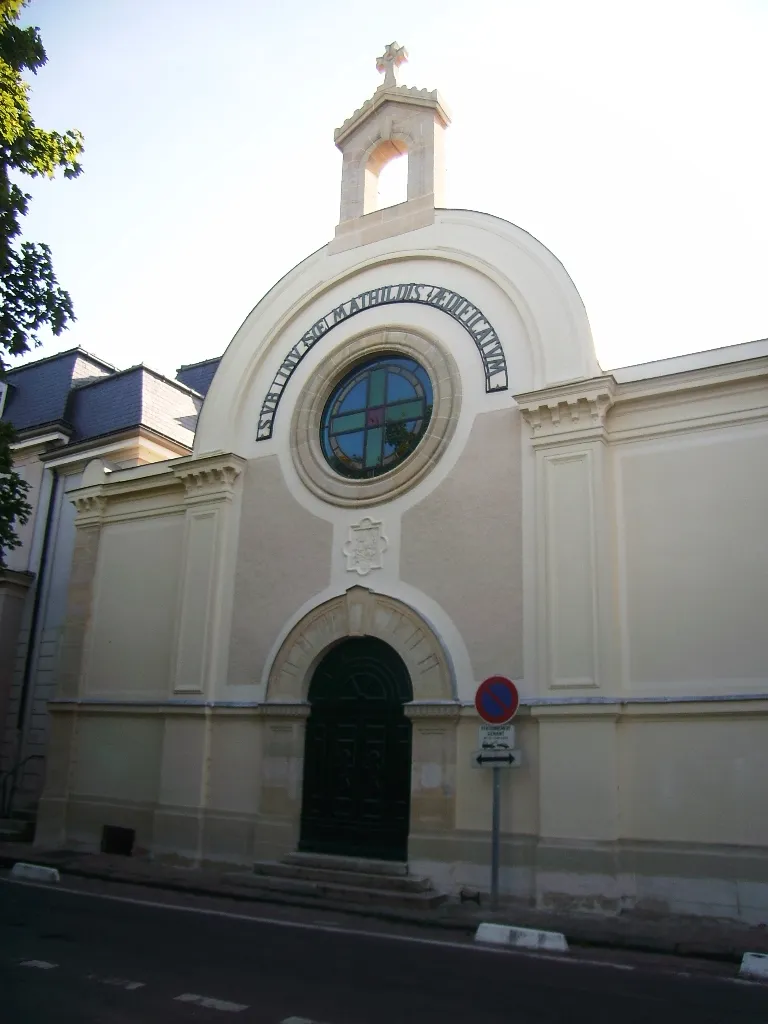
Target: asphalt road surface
[(85, 958)]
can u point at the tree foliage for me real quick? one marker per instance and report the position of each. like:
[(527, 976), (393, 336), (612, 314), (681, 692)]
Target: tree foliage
[(30, 295)]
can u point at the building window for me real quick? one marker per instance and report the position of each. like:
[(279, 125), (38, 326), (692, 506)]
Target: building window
[(376, 416)]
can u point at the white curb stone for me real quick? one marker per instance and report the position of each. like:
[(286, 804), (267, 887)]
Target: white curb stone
[(34, 873), (211, 1004), (521, 938), (754, 965)]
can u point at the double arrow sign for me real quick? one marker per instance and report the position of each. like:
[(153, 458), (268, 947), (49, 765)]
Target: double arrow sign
[(496, 759)]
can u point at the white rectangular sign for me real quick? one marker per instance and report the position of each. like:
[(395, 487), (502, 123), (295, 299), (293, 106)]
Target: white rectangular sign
[(497, 758), (496, 737)]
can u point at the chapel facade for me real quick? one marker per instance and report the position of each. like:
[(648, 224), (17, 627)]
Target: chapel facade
[(409, 474)]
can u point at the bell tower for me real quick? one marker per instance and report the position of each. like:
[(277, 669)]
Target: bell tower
[(395, 120)]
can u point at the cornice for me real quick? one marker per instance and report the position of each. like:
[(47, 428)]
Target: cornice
[(406, 95), (90, 504), (209, 477), (432, 709), (716, 375), (15, 579), (577, 411), (28, 441), (115, 444), (286, 709), (574, 410)]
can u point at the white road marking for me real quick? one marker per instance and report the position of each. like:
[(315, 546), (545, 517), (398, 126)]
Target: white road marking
[(743, 981), (467, 947), (44, 965), (211, 1004), (129, 986), (297, 1020)]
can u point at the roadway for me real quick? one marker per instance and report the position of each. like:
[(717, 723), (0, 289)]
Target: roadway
[(98, 953)]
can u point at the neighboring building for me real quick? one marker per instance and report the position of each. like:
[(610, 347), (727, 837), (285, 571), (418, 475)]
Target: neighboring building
[(409, 474), (66, 410)]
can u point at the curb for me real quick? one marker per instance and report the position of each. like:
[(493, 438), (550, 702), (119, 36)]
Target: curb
[(522, 938), (754, 965), (647, 942), (268, 897), (34, 872)]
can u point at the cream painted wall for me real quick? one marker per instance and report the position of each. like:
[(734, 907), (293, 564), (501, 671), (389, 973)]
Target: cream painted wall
[(700, 779), (30, 469), (131, 640), (235, 764), (579, 777), (117, 757), (462, 545), (185, 760), (284, 558), (519, 789), (692, 515)]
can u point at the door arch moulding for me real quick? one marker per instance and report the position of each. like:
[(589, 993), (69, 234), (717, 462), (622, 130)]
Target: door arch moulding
[(361, 612)]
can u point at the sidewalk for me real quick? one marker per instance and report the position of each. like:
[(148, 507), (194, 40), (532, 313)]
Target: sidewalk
[(684, 936)]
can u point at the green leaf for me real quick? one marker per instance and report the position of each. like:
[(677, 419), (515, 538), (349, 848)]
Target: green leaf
[(30, 295)]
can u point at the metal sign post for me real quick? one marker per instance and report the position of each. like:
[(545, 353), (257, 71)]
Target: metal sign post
[(496, 701), (495, 837)]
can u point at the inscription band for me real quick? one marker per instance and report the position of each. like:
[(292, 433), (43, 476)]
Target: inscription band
[(464, 312)]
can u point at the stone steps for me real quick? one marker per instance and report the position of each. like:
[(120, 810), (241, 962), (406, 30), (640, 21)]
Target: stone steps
[(331, 875), (354, 864), (337, 892), (14, 830), (341, 880)]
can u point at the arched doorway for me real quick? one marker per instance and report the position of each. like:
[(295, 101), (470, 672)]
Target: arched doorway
[(357, 754)]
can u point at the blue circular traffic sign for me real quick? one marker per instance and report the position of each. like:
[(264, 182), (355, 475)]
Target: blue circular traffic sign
[(497, 700)]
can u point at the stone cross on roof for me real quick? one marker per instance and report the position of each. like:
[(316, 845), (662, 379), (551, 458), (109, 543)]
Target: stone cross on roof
[(390, 60)]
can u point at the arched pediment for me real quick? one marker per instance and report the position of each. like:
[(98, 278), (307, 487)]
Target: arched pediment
[(484, 275)]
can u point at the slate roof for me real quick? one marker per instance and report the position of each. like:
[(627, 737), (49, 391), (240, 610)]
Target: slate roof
[(87, 399), (198, 376), (38, 392)]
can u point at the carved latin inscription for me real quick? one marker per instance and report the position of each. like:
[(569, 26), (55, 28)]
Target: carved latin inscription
[(474, 322)]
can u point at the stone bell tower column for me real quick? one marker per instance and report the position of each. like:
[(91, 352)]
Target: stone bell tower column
[(396, 120)]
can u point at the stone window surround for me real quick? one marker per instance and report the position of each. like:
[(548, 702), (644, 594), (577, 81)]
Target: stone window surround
[(308, 458)]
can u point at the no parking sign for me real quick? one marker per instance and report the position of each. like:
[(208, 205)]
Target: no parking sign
[(497, 700)]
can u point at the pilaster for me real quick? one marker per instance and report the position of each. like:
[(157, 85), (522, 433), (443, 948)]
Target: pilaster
[(433, 765), (91, 505), (183, 790), (281, 777), (571, 528), (51, 831), (210, 543)]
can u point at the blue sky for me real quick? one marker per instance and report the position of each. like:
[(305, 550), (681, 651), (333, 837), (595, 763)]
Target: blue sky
[(628, 137)]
